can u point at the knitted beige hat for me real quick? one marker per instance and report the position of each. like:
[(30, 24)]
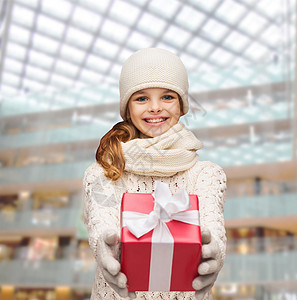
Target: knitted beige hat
[(153, 67)]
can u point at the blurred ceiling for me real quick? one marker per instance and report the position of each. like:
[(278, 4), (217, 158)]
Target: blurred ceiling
[(61, 54)]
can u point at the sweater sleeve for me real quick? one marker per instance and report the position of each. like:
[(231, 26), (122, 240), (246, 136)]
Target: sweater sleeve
[(100, 205), (210, 188)]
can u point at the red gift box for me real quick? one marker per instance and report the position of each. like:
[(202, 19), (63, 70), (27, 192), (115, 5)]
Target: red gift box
[(161, 265)]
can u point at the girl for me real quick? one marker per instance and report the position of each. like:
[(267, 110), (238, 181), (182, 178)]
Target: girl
[(151, 144)]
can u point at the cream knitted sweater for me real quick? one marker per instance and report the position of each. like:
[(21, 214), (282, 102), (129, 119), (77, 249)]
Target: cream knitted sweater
[(102, 199)]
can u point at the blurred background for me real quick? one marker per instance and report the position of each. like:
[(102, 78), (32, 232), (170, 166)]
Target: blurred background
[(59, 70)]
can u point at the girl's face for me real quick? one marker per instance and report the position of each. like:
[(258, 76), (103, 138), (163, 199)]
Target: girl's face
[(154, 110)]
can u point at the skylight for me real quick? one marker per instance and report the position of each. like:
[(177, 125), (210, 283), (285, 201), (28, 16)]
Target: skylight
[(83, 44)]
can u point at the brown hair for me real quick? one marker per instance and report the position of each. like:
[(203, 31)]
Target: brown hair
[(110, 154)]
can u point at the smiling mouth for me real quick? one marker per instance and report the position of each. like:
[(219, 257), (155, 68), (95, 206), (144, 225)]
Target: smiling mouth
[(156, 120)]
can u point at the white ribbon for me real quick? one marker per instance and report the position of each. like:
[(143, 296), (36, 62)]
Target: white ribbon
[(167, 207)]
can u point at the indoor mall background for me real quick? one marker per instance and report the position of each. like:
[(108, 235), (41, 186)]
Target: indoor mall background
[(59, 70)]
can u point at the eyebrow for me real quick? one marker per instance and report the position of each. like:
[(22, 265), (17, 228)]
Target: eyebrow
[(169, 91), (164, 92), (138, 93)]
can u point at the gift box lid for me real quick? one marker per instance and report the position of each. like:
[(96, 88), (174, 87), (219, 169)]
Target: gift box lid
[(144, 203)]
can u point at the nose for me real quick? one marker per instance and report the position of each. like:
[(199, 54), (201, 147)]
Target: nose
[(155, 106)]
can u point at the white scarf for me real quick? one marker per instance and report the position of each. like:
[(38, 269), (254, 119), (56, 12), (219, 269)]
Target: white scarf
[(164, 155)]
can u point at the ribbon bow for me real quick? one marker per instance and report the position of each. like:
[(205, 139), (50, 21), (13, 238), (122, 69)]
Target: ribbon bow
[(167, 207)]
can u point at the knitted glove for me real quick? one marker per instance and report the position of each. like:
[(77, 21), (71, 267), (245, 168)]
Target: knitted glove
[(209, 267), (108, 255)]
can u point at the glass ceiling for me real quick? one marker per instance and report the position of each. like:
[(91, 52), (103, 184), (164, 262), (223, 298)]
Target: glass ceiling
[(59, 54)]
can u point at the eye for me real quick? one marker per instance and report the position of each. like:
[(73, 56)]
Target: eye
[(167, 97), (141, 99)]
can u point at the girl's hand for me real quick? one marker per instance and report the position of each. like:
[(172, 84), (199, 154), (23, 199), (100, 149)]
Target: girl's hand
[(108, 251), (209, 267)]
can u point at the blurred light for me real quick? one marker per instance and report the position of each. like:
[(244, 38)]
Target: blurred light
[(24, 194), (224, 9), (214, 30), (165, 11), (62, 13), (230, 289), (78, 38), (50, 26), (19, 35), (86, 19), (125, 11), (252, 23), (22, 16), (114, 31), (46, 44), (190, 18)]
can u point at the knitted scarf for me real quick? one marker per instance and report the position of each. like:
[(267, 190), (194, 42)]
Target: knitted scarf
[(164, 155)]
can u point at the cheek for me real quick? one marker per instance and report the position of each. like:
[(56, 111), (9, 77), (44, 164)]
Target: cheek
[(176, 110), (134, 112), (131, 110)]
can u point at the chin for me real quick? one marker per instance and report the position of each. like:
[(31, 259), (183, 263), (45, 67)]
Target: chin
[(156, 132)]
